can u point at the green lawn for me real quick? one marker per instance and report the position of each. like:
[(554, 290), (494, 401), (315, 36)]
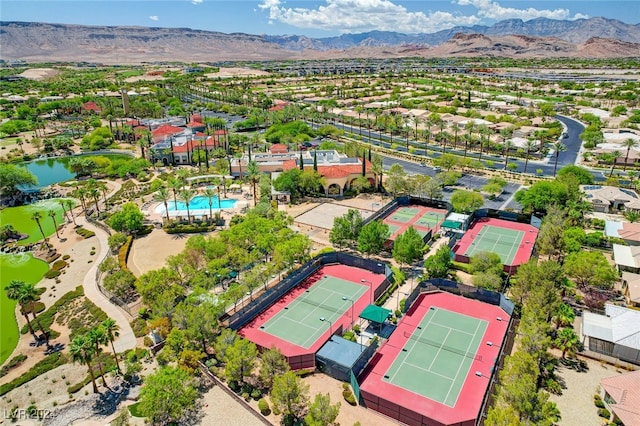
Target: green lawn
[(20, 218)]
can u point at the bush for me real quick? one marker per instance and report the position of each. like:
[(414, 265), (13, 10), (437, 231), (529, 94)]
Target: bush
[(13, 363), (46, 318), (263, 406), (147, 341), (604, 413), (176, 228), (256, 394), (52, 273), (49, 363), (599, 403), (85, 233), (459, 266), (348, 396), (123, 254), (139, 327)]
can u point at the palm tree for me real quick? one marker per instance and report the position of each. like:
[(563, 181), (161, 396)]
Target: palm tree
[(567, 341), (378, 170), (175, 185), (102, 187), (163, 195), (69, 204), (564, 316), (111, 328), (530, 145), (508, 146), (186, 195), (629, 143), (64, 211), (614, 157), (15, 291), (210, 194), (82, 350), (37, 216), (253, 173), (559, 147), (82, 193), (96, 338), (52, 215)]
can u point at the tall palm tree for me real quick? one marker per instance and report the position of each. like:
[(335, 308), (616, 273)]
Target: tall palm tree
[(508, 146), (52, 214), (558, 147), (187, 195), (37, 216), (210, 194), (69, 204), (175, 185), (64, 211), (629, 143), (163, 195), (564, 316), (81, 350), (253, 173), (111, 328), (102, 187), (530, 145), (567, 341), (82, 194), (378, 170), (15, 291), (613, 158), (96, 338)]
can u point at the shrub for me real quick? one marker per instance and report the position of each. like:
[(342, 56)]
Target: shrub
[(13, 363), (147, 341), (46, 318), (263, 406), (59, 265), (604, 413), (348, 396), (49, 363), (599, 403), (139, 327), (52, 273), (256, 394), (85, 233), (123, 254)]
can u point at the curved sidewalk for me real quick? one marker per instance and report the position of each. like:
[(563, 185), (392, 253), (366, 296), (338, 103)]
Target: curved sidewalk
[(127, 339)]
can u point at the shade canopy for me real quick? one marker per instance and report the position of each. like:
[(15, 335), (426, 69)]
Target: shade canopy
[(375, 314)]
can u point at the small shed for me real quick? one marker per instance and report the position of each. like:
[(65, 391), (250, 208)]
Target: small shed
[(338, 357)]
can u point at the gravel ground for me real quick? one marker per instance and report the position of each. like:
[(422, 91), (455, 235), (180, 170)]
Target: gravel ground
[(576, 402)]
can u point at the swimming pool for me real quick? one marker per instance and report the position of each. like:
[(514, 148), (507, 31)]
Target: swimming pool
[(197, 203)]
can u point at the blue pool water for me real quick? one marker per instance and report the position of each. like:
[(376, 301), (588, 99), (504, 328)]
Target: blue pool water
[(197, 203)]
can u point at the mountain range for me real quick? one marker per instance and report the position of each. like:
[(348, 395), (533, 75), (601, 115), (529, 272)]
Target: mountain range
[(539, 38)]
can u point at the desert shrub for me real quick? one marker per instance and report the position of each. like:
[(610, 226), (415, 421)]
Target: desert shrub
[(123, 253), (49, 363), (84, 233), (349, 397), (13, 363), (263, 406), (59, 265), (46, 318), (139, 327), (604, 413)]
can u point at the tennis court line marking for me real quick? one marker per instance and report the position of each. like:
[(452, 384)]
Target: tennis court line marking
[(428, 371), (439, 349), (316, 307), (460, 366)]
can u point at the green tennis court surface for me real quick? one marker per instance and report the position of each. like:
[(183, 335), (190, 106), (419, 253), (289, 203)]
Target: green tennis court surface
[(299, 322), (504, 242), (436, 358), (430, 219), (392, 228)]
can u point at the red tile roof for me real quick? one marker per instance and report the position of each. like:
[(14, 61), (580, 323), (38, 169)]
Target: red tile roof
[(625, 390), (167, 130), (91, 106), (278, 148)]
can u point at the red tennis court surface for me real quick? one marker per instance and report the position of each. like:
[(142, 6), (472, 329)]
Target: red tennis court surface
[(415, 409), (523, 249), (424, 219), (298, 356)]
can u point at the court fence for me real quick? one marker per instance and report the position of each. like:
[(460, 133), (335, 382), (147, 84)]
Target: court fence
[(247, 313), (407, 200)]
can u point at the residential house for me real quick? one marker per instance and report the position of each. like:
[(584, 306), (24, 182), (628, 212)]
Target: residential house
[(627, 258), (629, 232), (631, 288), (621, 395), (615, 334), (611, 199)]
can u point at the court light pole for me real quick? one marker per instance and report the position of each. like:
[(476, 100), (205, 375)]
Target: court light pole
[(350, 300), (398, 299), (370, 288), (323, 319)]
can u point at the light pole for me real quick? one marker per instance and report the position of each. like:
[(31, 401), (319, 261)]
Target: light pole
[(398, 299), (370, 288), (414, 269), (330, 324), (350, 300)]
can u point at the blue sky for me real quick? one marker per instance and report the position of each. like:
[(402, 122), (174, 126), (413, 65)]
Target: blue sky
[(311, 18)]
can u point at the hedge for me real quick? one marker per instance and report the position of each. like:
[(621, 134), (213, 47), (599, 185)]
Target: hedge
[(49, 363), (123, 254), (13, 363), (459, 266), (189, 228), (85, 232)]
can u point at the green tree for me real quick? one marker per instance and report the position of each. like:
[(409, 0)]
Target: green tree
[(16, 291), (564, 316), (629, 143), (590, 268), (36, 216), (226, 339), (253, 174), (96, 338), (372, 237), (168, 395), (397, 182), (488, 280), (129, 219), (466, 201), (163, 195), (407, 247), (321, 412), (567, 341), (346, 228), (120, 283), (81, 350), (438, 264), (272, 364), (187, 195), (290, 396), (116, 240), (573, 239), (12, 176), (583, 175), (111, 332)]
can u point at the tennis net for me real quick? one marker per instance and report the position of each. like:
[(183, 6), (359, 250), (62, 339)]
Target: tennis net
[(321, 305), (439, 345)]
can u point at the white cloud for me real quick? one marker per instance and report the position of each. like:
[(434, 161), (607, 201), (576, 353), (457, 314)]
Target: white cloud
[(493, 10), (154, 18), (196, 2), (363, 15)]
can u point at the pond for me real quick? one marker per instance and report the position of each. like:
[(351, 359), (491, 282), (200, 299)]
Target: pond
[(23, 267), (55, 170), (20, 218)]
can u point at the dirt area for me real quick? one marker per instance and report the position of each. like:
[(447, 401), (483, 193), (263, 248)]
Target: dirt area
[(39, 73), (576, 402), (236, 72)]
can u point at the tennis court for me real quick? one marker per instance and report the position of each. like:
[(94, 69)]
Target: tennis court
[(404, 214), (423, 219), (437, 356), (504, 242), (315, 311), (431, 219)]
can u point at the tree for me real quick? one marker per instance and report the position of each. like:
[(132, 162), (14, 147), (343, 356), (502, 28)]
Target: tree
[(407, 247), (438, 264), (16, 291), (530, 145), (81, 350), (226, 338), (163, 195), (129, 219), (253, 174), (629, 143), (321, 412), (175, 185), (346, 228), (52, 214), (583, 175), (573, 239), (111, 328), (564, 316), (115, 241), (396, 182), (372, 237), (12, 176), (210, 194), (168, 395), (488, 280), (272, 364), (187, 195), (290, 396), (590, 268), (464, 201), (120, 283), (567, 341), (70, 204), (558, 147), (36, 216), (96, 338)]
